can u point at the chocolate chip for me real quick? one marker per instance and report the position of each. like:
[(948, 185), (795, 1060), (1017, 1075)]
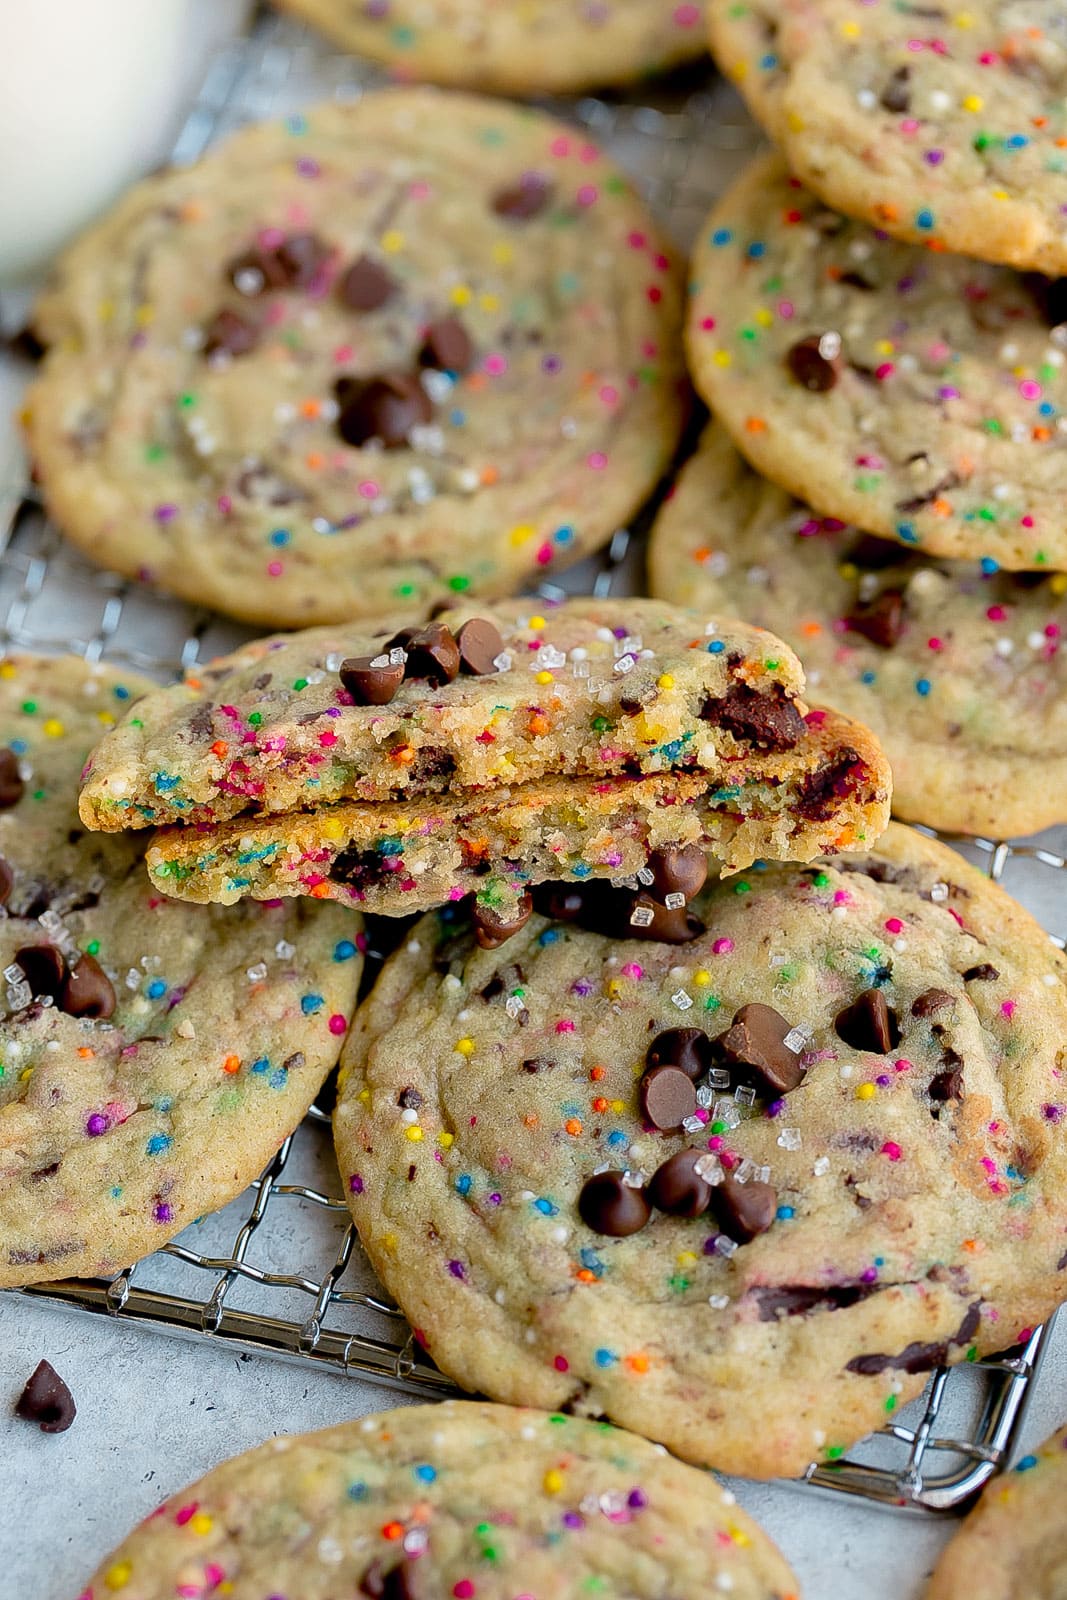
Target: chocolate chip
[(811, 364), (948, 1084), (874, 554), (881, 619), (560, 902), (47, 1401), (931, 1000), (797, 1299), (491, 930), (678, 870), (44, 967), (535, 1064), (300, 256), (678, 1188), (609, 1206), (371, 680), (398, 1583), (744, 1209), (667, 1097), (869, 1023), (667, 924), (822, 790), (410, 1099), (7, 881), (25, 345), (919, 1357), (523, 200), (230, 334), (687, 1048), (433, 654), (447, 346), (768, 720), (86, 990), (11, 785), (755, 1043), (385, 408), (255, 272), (856, 280), (983, 973), (366, 285), (896, 96), (479, 644)]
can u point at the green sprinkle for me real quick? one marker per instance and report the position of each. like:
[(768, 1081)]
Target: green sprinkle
[(991, 425), (835, 1452), (135, 722), (404, 589), (891, 1403), (742, 887), (29, 707), (459, 583), (155, 452), (821, 880), (772, 666), (301, 683), (187, 400), (712, 1003), (255, 719), (600, 724)]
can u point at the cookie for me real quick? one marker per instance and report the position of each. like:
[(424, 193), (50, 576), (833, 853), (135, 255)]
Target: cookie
[(372, 357), (540, 47), (916, 394), (959, 672), (586, 687), (740, 1197), (943, 127), (452, 1499), (154, 1055), (1013, 1546), (829, 793)]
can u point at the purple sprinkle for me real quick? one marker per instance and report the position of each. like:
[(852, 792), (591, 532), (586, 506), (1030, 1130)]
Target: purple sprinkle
[(581, 986), (934, 158), (355, 1184), (1052, 1113), (165, 513), (869, 1275), (572, 1519), (947, 392), (96, 1125), (776, 1108), (162, 1213), (883, 1081), (495, 1199), (637, 1499), (139, 340), (308, 168), (175, 998), (457, 1269), (709, 1245), (377, 8), (551, 364)]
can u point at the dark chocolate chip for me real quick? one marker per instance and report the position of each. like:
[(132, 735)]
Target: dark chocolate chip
[(896, 96), (823, 789), (560, 902), (45, 968), (667, 1097), (768, 720), (11, 785), (300, 256), (538, 1064), (755, 1044), (874, 554), (228, 333), (396, 1583), (370, 684), (744, 1209), (668, 924), (491, 930), (410, 1099), (46, 1400), (523, 200), (856, 280), (479, 644), (931, 1000), (7, 881), (687, 1048), (869, 1023), (385, 408), (812, 369), (678, 1188), (255, 272), (948, 1084), (433, 654), (983, 973), (366, 285), (447, 346), (881, 619), (678, 870), (86, 990), (797, 1299), (25, 345), (609, 1206)]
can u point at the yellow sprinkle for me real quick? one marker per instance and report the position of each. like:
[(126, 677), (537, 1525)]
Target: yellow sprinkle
[(201, 1523), (54, 728), (618, 1106), (884, 347), (118, 1576), (1000, 194), (414, 1133), (553, 1481), (702, 978), (963, 19), (613, 988), (684, 1257), (27, 1072), (333, 828), (796, 122), (106, 718), (866, 1091), (1058, 583), (740, 71), (393, 241), (665, 681), (543, 677), (7, 670), (722, 358), (535, 622), (105, 310), (739, 1536), (144, 315), (972, 102), (521, 532), (460, 295), (489, 302), (464, 1047), (364, 1095), (850, 30), (503, 254), (389, 1241), (446, 1140), (764, 317), (849, 570)]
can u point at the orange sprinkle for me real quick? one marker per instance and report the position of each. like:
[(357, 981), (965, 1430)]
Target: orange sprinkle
[(941, 507), (638, 1362), (887, 212), (191, 211), (219, 748), (596, 1073), (194, 683), (314, 460), (489, 474), (310, 408), (321, 891), (85, 1053), (702, 555), (404, 754), (1042, 434), (812, 630), (532, 1120), (232, 1064), (573, 1126), (599, 1104), (755, 425), (538, 724), (393, 1530), (584, 1275)]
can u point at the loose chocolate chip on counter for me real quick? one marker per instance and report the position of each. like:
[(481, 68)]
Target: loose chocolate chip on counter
[(678, 870), (896, 96), (479, 644), (985, 972), (447, 346), (881, 619), (869, 1023), (744, 1209), (371, 680), (755, 1044), (47, 1401), (523, 200), (433, 654), (86, 990), (492, 930), (931, 1000), (44, 967), (366, 285), (768, 720), (667, 1097), (11, 784), (678, 1188), (609, 1205), (687, 1048), (228, 333), (385, 408), (7, 881), (815, 362)]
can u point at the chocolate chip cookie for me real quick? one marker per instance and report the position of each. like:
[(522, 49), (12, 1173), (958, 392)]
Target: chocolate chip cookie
[(741, 1197), (959, 671), (370, 357), (152, 1055)]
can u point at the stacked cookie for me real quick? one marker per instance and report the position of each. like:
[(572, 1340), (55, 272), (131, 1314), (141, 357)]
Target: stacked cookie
[(905, 403)]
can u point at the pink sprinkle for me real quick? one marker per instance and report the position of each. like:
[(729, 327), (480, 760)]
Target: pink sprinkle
[(1027, 521), (686, 16), (327, 738), (632, 970), (996, 613), (892, 1150), (609, 395), (271, 238), (565, 1025), (463, 1590), (495, 365), (988, 1164), (214, 1574), (654, 293), (419, 190), (587, 195), (636, 241), (561, 1363), (597, 461), (894, 925), (842, 897), (707, 324), (344, 352), (225, 504), (1052, 630), (338, 1024), (589, 153), (908, 125), (274, 568), (1029, 389), (369, 489), (560, 147), (934, 644), (186, 1514), (884, 370), (722, 947), (786, 310), (903, 1065), (1007, 1008), (544, 555)]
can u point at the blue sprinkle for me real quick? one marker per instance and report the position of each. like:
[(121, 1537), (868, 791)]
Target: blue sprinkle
[(260, 1064), (868, 677), (164, 1104), (344, 951), (755, 250), (1026, 1463), (546, 1208), (278, 1078), (463, 1183), (563, 535), (716, 647), (1016, 141), (549, 936), (157, 1144), (923, 686), (605, 1358), (121, 692), (591, 1262), (721, 236), (906, 531), (784, 1213), (989, 566), (357, 1491), (425, 1473), (156, 989), (924, 219), (311, 1003), (164, 784), (19, 746), (618, 1137), (581, 870), (280, 536), (457, 418), (768, 63), (296, 124), (1047, 409)]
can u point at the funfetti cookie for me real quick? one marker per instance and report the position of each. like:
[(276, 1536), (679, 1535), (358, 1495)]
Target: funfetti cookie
[(152, 1055), (944, 126), (539, 47), (740, 1197), (959, 671), (454, 1499), (1013, 1546), (916, 394), (368, 358)]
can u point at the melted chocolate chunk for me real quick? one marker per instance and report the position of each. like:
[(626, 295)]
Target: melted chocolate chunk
[(45, 969), (611, 1207), (492, 930), (822, 789), (46, 1400), (385, 408), (985, 972), (874, 554), (410, 1099), (744, 1210), (881, 619), (948, 1083), (86, 990), (677, 1186), (769, 721), (357, 869), (523, 200), (918, 1357), (11, 785), (931, 1001), (228, 333), (667, 1097), (687, 1048), (366, 285), (797, 1299), (869, 1023), (479, 644), (300, 257), (755, 1045), (812, 369), (447, 346), (896, 96), (371, 680), (678, 870)]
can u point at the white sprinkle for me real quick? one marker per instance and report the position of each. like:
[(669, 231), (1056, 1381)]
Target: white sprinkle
[(790, 1139), (674, 902), (797, 1038), (938, 892), (502, 662), (718, 1302), (645, 876), (625, 664), (1051, 979), (451, 982), (709, 1168), (682, 1000), (744, 1095), (692, 1124), (900, 945), (725, 1247), (133, 979), (1004, 647), (821, 1167), (257, 973), (641, 917), (866, 99), (830, 346)]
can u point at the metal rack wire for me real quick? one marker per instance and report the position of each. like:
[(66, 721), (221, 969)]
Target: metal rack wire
[(280, 1271)]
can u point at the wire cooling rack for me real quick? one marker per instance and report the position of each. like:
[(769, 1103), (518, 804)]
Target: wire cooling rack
[(280, 1270)]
